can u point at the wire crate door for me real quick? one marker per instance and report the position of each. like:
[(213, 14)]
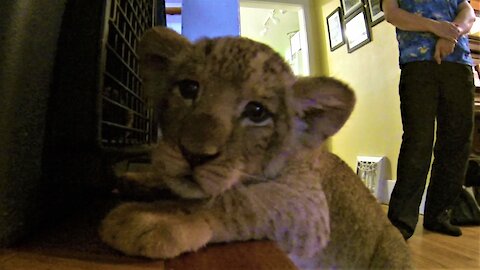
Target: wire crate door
[(127, 117)]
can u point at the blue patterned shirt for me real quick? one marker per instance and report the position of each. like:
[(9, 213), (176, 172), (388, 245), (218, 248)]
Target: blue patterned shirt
[(420, 46)]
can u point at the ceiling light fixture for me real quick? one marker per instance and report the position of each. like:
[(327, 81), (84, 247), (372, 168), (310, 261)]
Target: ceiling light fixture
[(272, 17)]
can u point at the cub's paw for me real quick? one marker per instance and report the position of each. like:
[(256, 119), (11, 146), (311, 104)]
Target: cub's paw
[(140, 229)]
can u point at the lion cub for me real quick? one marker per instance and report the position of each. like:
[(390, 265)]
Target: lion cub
[(241, 139)]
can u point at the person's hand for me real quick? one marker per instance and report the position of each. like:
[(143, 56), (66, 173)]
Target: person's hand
[(446, 30), (443, 48)]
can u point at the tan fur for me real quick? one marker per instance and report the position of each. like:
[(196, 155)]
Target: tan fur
[(244, 174)]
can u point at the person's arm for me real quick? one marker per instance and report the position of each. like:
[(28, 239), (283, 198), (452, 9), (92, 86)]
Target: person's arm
[(443, 48), (464, 21), (465, 18), (407, 21)]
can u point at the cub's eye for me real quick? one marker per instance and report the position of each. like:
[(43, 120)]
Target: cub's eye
[(256, 112), (188, 89)]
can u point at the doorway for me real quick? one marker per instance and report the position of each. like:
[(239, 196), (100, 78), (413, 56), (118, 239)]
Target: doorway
[(280, 26)]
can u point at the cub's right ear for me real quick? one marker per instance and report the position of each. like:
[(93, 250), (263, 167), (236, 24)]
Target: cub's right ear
[(156, 51)]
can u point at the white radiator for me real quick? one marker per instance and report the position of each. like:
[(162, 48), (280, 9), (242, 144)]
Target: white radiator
[(372, 171)]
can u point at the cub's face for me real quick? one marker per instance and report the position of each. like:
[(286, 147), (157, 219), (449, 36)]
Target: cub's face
[(227, 111)]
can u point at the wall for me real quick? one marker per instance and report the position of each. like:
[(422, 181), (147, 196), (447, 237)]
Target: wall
[(374, 128), (210, 18)]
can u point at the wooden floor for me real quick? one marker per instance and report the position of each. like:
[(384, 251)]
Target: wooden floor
[(76, 247), (436, 251)]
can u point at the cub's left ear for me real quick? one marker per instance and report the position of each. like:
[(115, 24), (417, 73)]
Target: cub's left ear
[(323, 105), (157, 49)]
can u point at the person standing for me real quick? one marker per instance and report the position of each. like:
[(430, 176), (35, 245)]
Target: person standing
[(436, 93)]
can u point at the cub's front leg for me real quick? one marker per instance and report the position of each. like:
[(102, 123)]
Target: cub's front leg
[(154, 230)]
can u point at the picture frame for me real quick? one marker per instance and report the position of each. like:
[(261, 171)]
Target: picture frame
[(357, 30), (375, 13), (335, 29), (350, 6)]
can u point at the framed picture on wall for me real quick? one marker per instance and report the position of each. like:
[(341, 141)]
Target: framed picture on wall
[(349, 6), (357, 30), (374, 11), (335, 29)]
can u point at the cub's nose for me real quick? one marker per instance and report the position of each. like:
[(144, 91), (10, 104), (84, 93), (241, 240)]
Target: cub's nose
[(195, 159)]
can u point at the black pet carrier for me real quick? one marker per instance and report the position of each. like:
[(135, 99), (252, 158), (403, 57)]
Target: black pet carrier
[(99, 114), (75, 104)]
